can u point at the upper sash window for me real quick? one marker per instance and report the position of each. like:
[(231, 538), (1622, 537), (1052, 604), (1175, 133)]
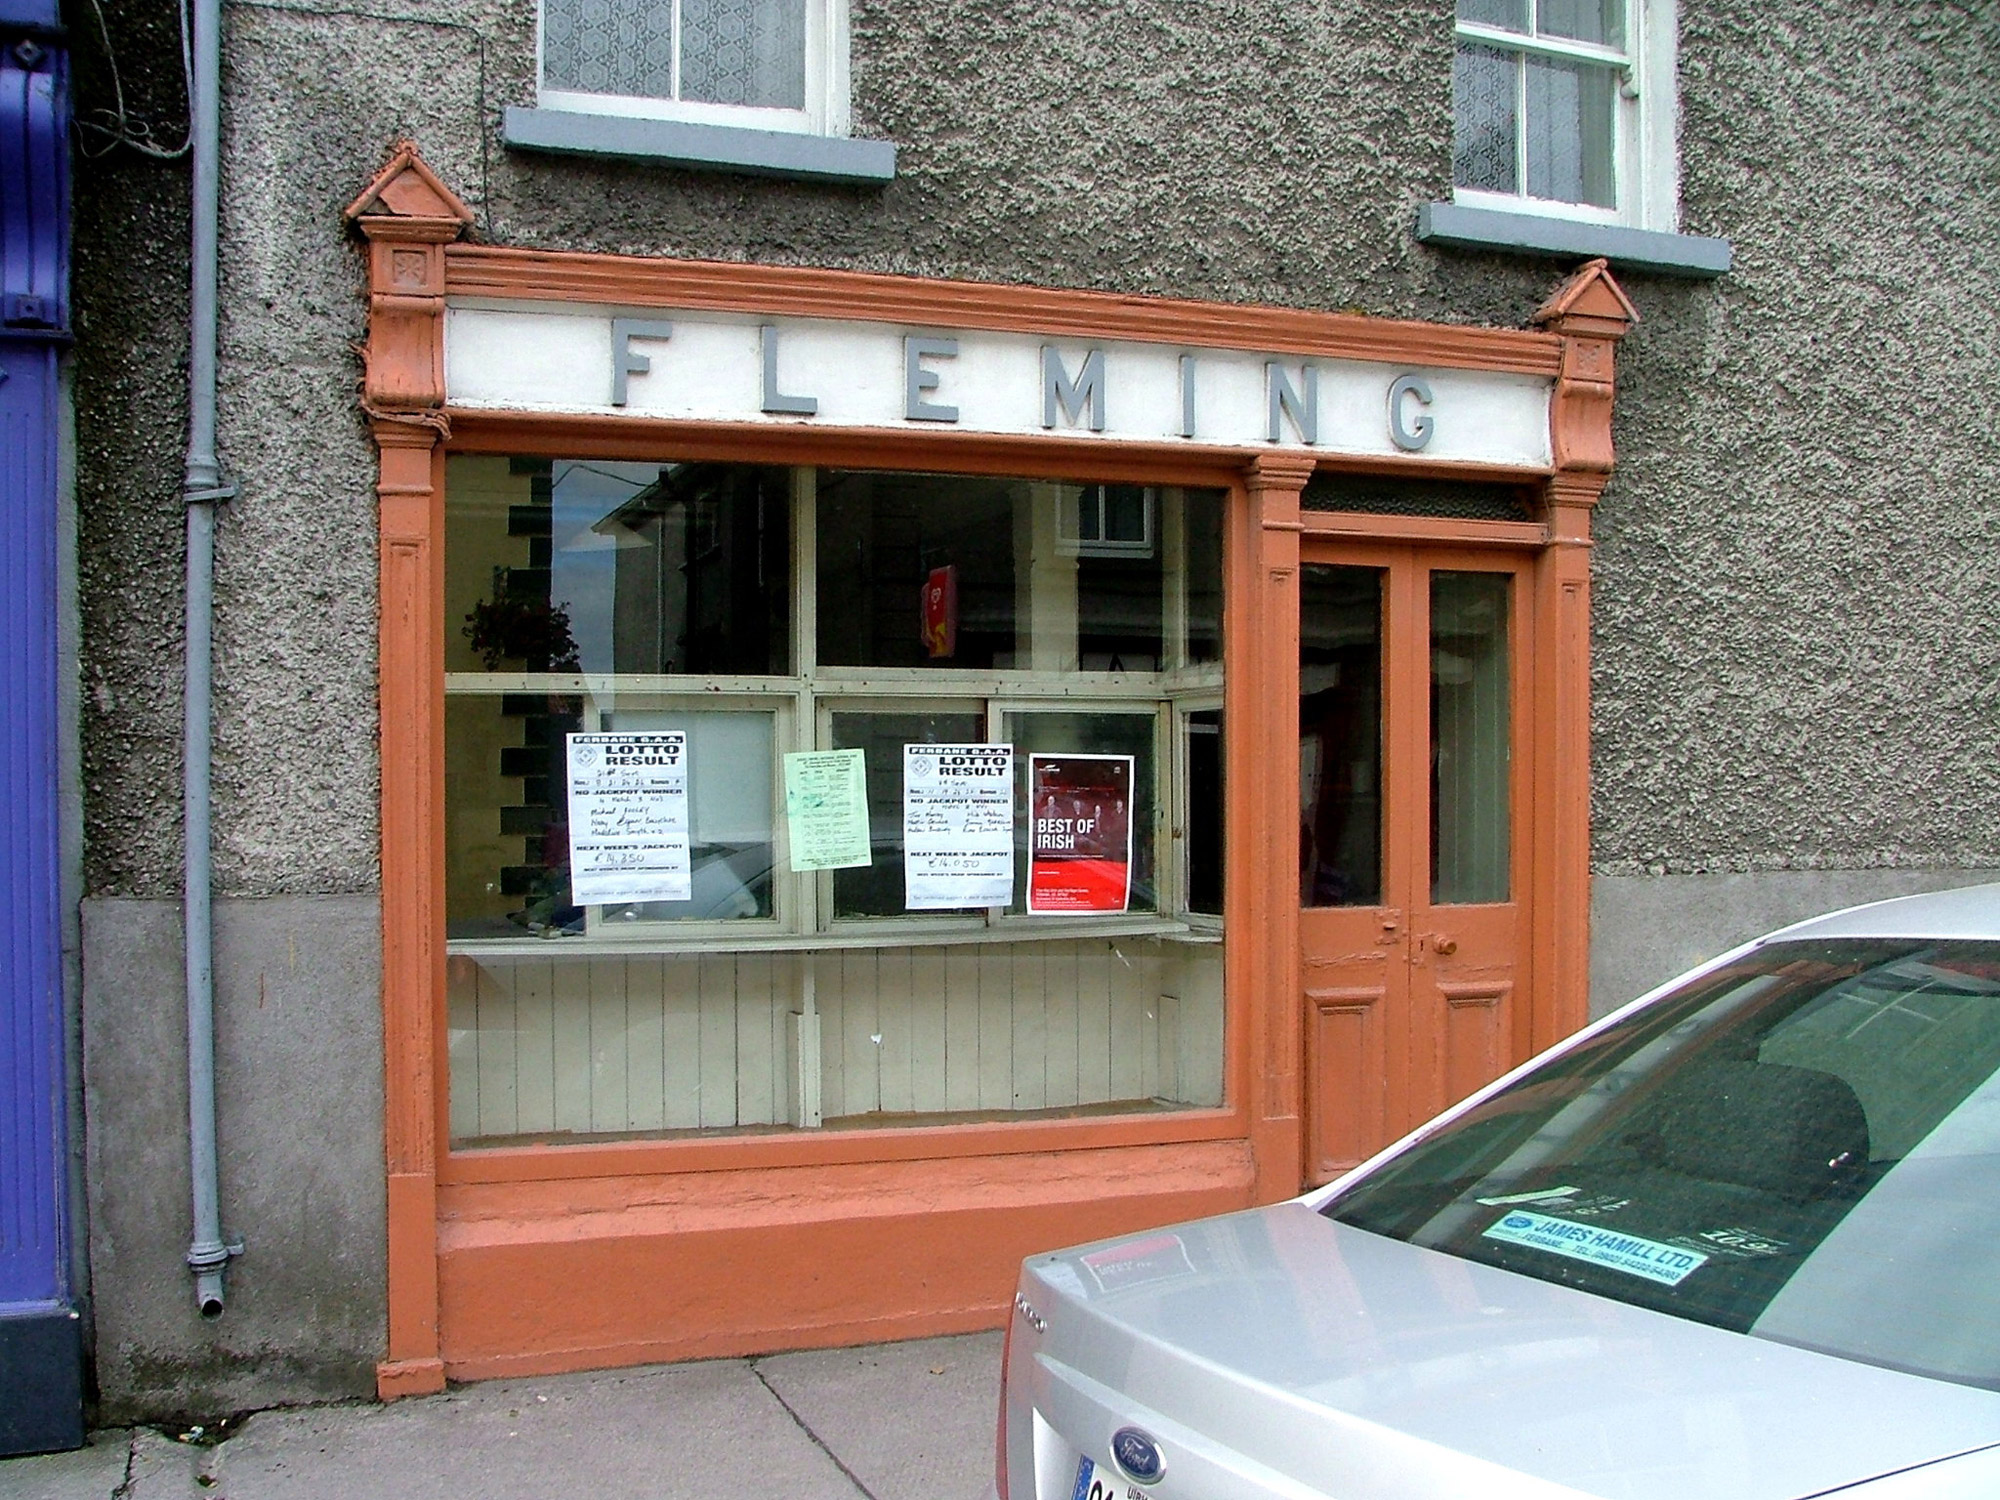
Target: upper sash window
[(1566, 107)]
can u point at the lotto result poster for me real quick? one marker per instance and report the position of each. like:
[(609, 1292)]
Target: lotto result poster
[(958, 826), (628, 817)]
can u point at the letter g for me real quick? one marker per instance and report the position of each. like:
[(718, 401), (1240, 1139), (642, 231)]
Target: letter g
[(1411, 437)]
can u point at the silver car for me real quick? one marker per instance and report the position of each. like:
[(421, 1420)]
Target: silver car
[(1741, 1239)]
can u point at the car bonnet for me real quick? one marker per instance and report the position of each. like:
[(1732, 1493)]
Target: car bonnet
[(1360, 1366)]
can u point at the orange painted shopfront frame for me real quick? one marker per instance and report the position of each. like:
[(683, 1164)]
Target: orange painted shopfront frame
[(534, 1260)]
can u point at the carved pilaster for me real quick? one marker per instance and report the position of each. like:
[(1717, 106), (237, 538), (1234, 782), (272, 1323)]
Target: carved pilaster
[(408, 217), (1263, 686), (1590, 314)]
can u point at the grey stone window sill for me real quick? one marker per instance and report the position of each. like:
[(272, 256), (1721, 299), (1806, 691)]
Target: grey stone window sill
[(714, 148), (1457, 227)]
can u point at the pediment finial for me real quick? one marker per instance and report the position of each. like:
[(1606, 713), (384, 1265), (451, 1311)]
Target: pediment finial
[(1589, 302), (407, 188)]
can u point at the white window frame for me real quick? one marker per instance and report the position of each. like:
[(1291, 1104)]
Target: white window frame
[(1646, 149), (1071, 542), (826, 85)]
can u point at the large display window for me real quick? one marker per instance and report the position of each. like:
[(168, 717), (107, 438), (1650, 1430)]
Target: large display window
[(790, 798)]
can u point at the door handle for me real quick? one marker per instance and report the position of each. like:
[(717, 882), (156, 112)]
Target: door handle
[(1442, 945)]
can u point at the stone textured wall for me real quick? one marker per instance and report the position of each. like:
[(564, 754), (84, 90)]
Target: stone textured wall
[(1799, 552), (129, 287)]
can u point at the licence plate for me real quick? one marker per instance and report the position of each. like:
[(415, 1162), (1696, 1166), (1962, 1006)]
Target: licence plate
[(1095, 1482)]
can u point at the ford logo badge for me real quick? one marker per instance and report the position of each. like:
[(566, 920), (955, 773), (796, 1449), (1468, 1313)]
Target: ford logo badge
[(1138, 1455)]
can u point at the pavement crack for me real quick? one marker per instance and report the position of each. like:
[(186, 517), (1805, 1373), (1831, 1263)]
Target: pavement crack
[(805, 1427), (131, 1458)]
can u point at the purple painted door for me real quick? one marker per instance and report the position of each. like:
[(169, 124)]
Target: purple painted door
[(34, 294), (33, 1246)]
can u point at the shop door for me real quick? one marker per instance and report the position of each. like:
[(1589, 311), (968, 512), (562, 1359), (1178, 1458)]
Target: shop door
[(1413, 770)]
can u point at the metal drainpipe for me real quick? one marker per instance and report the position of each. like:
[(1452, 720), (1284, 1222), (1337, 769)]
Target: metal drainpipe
[(203, 487)]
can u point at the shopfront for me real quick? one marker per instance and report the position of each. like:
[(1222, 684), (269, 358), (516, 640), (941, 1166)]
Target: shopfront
[(881, 776)]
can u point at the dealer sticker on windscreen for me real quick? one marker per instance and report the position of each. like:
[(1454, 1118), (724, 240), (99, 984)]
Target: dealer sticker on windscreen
[(1667, 1264)]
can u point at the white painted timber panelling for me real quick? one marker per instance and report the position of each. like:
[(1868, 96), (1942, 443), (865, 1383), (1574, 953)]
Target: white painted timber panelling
[(711, 369), (577, 1046)]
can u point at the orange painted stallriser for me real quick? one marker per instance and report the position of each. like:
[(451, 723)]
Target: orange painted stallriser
[(540, 1278)]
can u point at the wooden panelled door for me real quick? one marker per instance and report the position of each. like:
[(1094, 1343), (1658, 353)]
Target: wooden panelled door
[(1413, 780)]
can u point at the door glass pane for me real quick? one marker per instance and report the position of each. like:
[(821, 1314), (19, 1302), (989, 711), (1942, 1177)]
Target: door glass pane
[(1570, 132), (876, 889), (1470, 737), (1340, 736), (1483, 132)]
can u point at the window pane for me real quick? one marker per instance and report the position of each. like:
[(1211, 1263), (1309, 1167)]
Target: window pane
[(1205, 791), (1201, 526), (1110, 733), (959, 573), (1600, 21), (568, 1047), (597, 566), (744, 52), (700, 563), (731, 780), (507, 814), (1513, 14), (506, 817), (1484, 138), (592, 580), (1571, 132), (1340, 736), (609, 47), (876, 889), (1471, 732)]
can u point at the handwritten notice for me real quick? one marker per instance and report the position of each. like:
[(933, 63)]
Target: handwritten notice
[(1080, 840), (826, 809), (958, 826), (628, 817)]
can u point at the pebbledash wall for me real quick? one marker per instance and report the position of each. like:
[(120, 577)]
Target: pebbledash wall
[(1792, 697)]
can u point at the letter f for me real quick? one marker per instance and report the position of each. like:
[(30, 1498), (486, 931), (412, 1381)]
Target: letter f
[(625, 363)]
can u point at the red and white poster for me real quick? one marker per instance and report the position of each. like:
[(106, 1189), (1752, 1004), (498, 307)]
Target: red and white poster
[(1079, 833), (941, 612)]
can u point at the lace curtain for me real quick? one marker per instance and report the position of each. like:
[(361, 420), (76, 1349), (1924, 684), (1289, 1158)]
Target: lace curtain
[(731, 51)]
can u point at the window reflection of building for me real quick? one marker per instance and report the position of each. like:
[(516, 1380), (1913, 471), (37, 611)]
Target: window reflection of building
[(701, 576)]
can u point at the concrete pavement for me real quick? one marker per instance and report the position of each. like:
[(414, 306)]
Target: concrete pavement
[(910, 1421)]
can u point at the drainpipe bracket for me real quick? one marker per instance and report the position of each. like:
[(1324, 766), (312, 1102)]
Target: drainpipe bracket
[(212, 1256), (210, 495)]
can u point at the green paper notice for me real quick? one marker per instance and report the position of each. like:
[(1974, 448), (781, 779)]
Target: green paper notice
[(826, 809)]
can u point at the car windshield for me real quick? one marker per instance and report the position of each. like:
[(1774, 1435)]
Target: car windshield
[(1803, 1145)]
